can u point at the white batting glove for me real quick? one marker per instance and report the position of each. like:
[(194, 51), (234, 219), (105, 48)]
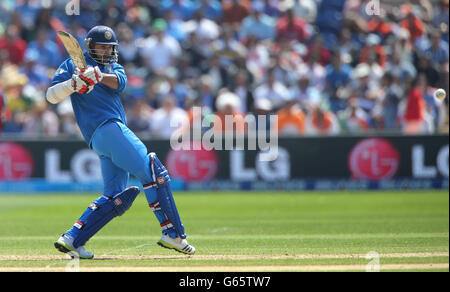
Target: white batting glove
[(91, 75), (79, 85)]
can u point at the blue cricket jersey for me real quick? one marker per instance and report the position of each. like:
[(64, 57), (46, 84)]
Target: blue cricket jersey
[(99, 106)]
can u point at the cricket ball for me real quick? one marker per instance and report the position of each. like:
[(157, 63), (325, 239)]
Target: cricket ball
[(440, 94)]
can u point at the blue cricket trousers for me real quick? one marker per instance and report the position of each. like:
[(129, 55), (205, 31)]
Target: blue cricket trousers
[(121, 152)]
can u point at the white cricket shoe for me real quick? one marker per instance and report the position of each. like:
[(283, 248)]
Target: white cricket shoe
[(64, 245), (178, 244)]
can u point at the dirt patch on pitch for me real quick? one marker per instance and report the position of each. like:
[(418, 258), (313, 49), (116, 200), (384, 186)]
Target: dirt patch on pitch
[(61, 263), (272, 257), (309, 268), (221, 257)]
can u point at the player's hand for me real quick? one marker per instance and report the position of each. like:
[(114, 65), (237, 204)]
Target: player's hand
[(91, 75), (79, 85)]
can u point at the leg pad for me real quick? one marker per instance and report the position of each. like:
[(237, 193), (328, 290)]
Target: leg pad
[(99, 213)]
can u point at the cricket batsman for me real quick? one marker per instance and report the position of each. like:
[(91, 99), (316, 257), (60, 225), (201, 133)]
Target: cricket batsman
[(95, 96)]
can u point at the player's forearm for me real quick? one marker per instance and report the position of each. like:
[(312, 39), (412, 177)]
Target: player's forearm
[(110, 80), (59, 92)]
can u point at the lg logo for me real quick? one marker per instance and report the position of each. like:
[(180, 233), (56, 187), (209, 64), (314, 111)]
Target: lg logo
[(16, 162), (375, 159)]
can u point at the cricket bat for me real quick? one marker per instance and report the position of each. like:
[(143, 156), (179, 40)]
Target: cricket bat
[(73, 48)]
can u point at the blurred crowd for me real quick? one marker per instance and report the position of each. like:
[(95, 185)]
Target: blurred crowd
[(325, 67)]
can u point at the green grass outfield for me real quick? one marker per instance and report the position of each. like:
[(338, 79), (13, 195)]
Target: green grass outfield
[(240, 231)]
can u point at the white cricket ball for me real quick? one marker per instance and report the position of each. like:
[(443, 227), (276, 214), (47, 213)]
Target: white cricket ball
[(440, 94)]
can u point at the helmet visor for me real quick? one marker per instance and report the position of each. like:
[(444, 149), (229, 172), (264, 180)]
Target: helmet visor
[(104, 54)]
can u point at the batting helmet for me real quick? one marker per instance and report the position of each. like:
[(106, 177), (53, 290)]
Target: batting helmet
[(102, 35)]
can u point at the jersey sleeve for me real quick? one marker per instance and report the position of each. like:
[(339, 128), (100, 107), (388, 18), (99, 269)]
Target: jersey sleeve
[(63, 73), (119, 71)]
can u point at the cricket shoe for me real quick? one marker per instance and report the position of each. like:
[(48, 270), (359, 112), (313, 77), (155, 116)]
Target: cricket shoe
[(178, 244), (64, 245)]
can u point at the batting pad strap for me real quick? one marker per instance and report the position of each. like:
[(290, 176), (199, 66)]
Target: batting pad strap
[(166, 225), (155, 206), (149, 186), (78, 225)]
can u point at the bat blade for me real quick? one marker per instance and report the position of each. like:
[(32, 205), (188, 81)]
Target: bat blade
[(73, 48)]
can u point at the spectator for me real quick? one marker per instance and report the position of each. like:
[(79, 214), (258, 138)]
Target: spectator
[(262, 108), (271, 8), (175, 27), (316, 71), (431, 71), (412, 23), (305, 9), (321, 121), (273, 90), (380, 25), (227, 105), (27, 13), (47, 50), (414, 116), (205, 30), (401, 68), (193, 54), (161, 50), (129, 52), (228, 48), (257, 59), (304, 94), (353, 119), (257, 24), (441, 18), (291, 119), (402, 46), (393, 95), (284, 64), (36, 73), (291, 27), (438, 50), (376, 71), (212, 9), (362, 87), (242, 89), (373, 48), (234, 13), (140, 117), (206, 92), (329, 20), (348, 48), (168, 118), (180, 90), (12, 45), (182, 9), (318, 51), (203, 46), (41, 121), (68, 125), (12, 83), (337, 78)]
